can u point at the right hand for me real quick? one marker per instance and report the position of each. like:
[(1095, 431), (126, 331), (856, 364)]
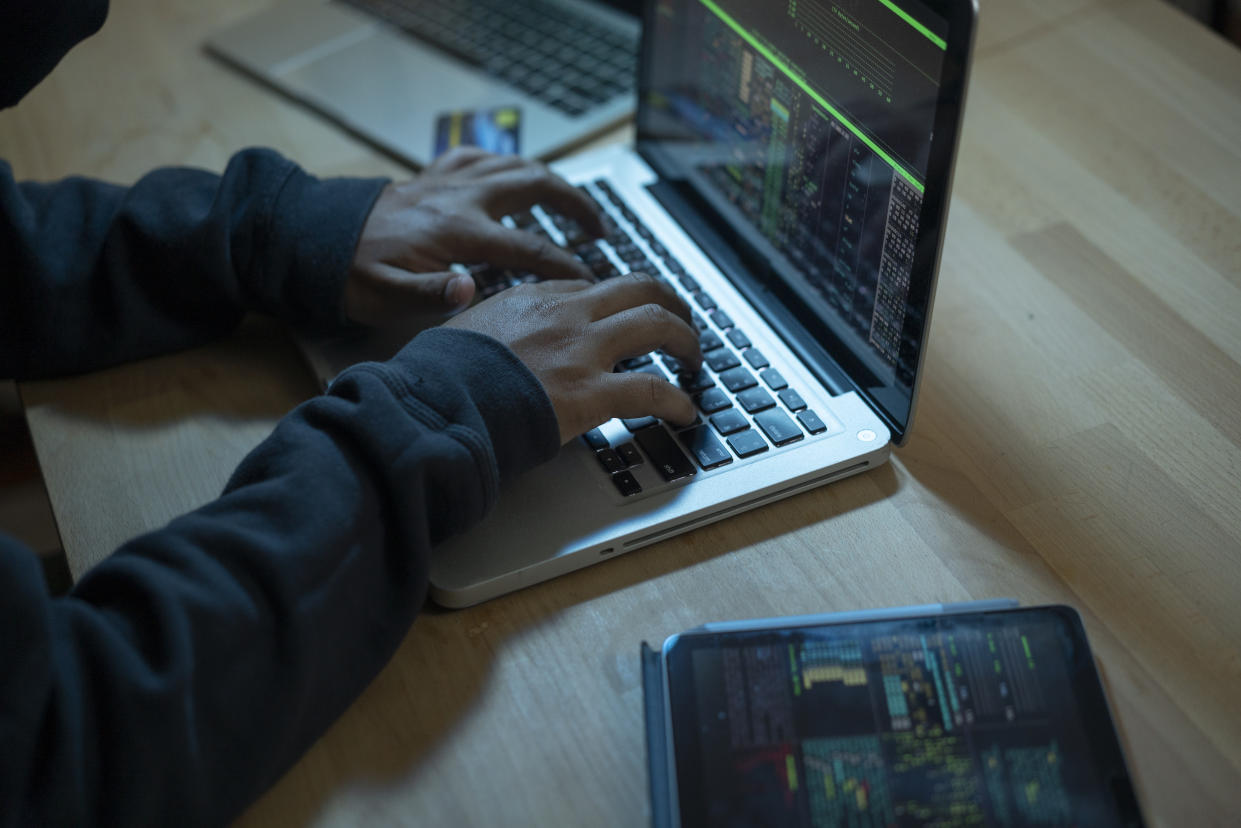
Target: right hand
[(571, 334)]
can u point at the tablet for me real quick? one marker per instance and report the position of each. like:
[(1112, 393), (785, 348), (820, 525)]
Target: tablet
[(908, 718)]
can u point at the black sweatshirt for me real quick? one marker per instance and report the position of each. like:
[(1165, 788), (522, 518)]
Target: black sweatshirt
[(183, 675)]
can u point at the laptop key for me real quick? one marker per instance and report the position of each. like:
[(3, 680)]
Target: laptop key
[(595, 439), (639, 423), (738, 338), (755, 399), (811, 422), (721, 360), (712, 400), (626, 484), (629, 454), (591, 255), (774, 379), (738, 379), (756, 358), (778, 427), (625, 247), (673, 364), (722, 320), (707, 450), (665, 455), (639, 263), (747, 443), (636, 362), (604, 270), (610, 461), (709, 341), (700, 381), (573, 233), (791, 399), (704, 300), (729, 422)]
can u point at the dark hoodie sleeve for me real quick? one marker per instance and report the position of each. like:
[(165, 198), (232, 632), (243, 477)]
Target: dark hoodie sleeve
[(92, 274), (183, 675), (36, 34)]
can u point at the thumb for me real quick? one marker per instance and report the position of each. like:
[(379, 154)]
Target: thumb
[(383, 293)]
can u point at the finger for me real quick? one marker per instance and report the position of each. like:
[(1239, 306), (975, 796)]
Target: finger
[(392, 293), (635, 289), (645, 328), (459, 158), (502, 246), (495, 164), (558, 286), (645, 395), (519, 188)]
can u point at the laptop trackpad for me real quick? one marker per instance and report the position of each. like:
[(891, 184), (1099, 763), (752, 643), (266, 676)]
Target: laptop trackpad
[(395, 92)]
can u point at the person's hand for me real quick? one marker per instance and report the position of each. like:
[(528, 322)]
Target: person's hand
[(571, 334), (450, 214)]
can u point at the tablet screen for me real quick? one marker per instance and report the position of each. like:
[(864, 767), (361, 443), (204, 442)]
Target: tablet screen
[(977, 719)]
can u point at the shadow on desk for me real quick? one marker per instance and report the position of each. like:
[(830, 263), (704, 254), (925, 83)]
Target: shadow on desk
[(395, 748)]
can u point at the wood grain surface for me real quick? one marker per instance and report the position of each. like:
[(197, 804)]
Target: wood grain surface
[(1078, 438)]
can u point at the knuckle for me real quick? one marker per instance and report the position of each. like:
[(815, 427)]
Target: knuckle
[(531, 174), (458, 154), (653, 314), (654, 390), (545, 307), (541, 304), (539, 247), (439, 220)]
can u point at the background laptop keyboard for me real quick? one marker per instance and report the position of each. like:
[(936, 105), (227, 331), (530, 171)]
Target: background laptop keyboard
[(745, 406), (565, 59)]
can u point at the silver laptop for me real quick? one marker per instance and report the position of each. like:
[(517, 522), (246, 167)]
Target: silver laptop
[(791, 178), (409, 75)]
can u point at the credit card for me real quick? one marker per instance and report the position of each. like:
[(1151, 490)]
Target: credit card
[(495, 130)]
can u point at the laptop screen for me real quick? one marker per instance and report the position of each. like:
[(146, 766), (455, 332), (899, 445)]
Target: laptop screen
[(805, 128)]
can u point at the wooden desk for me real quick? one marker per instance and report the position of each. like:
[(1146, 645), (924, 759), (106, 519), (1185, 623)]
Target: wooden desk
[(1079, 438)]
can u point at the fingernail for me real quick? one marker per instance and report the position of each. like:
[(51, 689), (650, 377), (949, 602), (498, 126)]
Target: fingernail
[(459, 290)]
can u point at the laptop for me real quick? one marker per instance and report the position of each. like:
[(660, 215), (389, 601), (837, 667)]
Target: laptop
[(416, 77), (790, 178)]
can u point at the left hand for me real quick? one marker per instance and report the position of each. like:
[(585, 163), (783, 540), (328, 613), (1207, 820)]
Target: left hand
[(450, 213)]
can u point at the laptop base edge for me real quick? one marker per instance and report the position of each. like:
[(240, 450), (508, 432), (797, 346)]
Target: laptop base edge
[(460, 596)]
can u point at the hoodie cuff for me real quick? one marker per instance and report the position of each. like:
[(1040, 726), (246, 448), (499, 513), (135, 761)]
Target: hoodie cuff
[(314, 228), (509, 403)]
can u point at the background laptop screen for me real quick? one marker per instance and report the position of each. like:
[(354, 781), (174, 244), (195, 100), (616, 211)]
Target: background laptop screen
[(806, 127)]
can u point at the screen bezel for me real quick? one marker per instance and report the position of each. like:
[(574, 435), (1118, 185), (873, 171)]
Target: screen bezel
[(833, 360), (1086, 689)]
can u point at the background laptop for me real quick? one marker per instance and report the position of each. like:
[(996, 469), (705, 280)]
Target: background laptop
[(402, 74), (790, 179)]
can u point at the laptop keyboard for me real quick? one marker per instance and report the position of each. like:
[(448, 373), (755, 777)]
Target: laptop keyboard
[(565, 59), (745, 406)]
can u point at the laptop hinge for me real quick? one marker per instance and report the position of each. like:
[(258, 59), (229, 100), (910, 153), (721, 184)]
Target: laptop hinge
[(684, 207)]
